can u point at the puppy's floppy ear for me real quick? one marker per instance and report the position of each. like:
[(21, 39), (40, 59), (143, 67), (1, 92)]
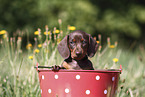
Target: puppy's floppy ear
[(63, 48), (93, 46)]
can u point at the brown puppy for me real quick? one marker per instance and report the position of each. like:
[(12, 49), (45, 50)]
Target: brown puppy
[(75, 49)]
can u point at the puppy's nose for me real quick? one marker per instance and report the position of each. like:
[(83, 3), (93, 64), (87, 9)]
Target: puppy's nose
[(78, 53)]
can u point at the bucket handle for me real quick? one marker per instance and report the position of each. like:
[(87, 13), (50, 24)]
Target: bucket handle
[(48, 67), (37, 66)]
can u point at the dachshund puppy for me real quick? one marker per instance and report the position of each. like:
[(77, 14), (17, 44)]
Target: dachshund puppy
[(75, 48)]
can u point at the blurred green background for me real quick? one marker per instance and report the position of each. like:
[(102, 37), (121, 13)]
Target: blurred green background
[(122, 20)]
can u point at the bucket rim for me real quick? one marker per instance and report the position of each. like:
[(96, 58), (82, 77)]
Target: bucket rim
[(91, 71)]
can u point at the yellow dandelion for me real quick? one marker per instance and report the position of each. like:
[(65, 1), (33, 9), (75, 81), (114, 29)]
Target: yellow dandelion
[(31, 57), (72, 28), (39, 45), (36, 33), (115, 60), (112, 46), (57, 31), (98, 42), (48, 33), (29, 46), (3, 32), (36, 51)]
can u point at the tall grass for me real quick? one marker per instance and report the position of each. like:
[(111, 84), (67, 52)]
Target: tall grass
[(18, 78)]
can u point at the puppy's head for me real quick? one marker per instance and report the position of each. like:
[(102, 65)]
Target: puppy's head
[(77, 44)]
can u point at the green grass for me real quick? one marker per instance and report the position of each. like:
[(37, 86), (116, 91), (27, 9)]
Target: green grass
[(18, 77)]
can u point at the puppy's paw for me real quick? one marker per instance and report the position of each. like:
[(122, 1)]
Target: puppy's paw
[(56, 68)]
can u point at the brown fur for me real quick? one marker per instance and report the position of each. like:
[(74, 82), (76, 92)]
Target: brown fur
[(75, 49)]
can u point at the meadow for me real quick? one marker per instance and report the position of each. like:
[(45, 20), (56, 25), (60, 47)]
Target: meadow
[(19, 78)]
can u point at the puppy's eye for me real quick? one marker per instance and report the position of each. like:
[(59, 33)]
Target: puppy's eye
[(72, 42)]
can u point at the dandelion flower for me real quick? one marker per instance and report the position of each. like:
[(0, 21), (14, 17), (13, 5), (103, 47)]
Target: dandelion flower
[(115, 60), (31, 57), (36, 33), (112, 46), (57, 31), (98, 42), (39, 45), (3, 32), (29, 46), (72, 28), (48, 33), (36, 51)]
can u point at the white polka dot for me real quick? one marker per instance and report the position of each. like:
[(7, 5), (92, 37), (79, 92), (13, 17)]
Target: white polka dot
[(49, 90), (78, 76), (42, 76), (56, 76), (113, 78), (41, 91), (97, 77), (66, 90), (88, 92), (105, 91)]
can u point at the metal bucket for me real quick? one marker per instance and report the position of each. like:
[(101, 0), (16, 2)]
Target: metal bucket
[(78, 83)]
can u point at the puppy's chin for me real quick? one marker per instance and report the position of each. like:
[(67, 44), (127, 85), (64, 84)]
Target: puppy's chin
[(78, 57)]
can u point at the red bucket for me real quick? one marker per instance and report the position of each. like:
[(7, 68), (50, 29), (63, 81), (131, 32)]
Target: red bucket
[(78, 83)]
